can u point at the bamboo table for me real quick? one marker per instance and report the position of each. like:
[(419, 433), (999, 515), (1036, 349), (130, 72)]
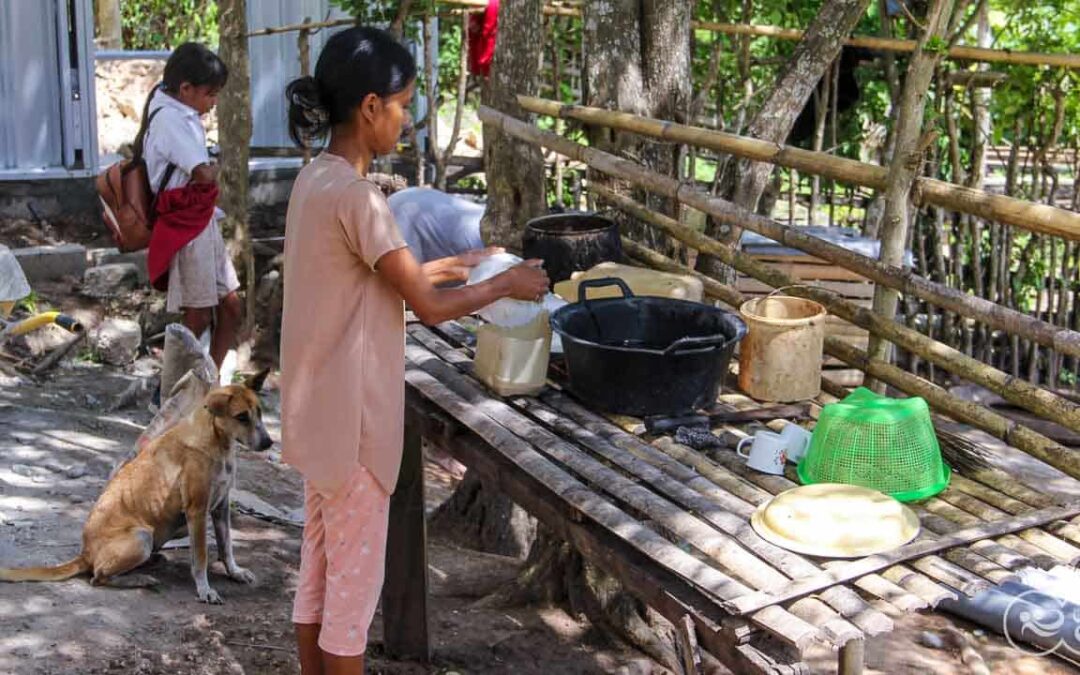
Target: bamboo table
[(672, 523)]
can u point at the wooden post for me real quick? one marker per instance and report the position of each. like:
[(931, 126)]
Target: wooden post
[(303, 45), (234, 129), (405, 592), (109, 25), (852, 658), (905, 167)]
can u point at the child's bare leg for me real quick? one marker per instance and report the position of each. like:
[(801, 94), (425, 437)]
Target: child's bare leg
[(198, 319), (229, 312), (342, 665), (307, 642)]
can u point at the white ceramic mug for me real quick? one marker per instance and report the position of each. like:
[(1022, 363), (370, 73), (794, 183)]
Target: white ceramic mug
[(797, 441), (768, 454)]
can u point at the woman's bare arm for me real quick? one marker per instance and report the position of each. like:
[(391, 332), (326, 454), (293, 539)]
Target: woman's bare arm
[(435, 305)]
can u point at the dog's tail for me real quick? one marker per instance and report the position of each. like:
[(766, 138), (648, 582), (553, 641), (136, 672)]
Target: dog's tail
[(60, 572)]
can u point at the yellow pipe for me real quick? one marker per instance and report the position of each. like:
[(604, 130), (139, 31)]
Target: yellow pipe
[(44, 319)]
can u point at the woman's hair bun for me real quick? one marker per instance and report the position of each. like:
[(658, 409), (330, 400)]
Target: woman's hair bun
[(309, 116)]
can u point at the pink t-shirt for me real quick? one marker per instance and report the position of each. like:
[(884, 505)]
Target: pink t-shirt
[(342, 330)]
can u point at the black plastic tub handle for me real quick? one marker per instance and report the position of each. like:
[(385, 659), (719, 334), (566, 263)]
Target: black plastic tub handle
[(584, 286), (690, 343)]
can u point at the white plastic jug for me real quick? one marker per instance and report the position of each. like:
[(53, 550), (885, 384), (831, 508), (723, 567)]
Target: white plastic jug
[(514, 361)]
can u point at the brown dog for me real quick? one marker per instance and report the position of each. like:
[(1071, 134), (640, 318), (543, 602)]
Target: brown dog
[(170, 486)]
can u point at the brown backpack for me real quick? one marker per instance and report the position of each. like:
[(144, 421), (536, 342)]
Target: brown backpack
[(127, 201)]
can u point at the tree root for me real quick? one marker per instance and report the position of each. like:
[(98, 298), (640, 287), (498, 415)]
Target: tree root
[(555, 574), (483, 519)]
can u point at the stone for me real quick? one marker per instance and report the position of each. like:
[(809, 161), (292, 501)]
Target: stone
[(116, 341), (45, 339), (109, 256), (51, 263), (110, 280)]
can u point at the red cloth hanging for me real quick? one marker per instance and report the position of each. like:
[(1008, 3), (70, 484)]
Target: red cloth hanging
[(182, 214), (482, 32)]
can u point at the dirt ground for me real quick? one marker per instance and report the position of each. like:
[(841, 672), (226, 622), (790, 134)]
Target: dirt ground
[(57, 444)]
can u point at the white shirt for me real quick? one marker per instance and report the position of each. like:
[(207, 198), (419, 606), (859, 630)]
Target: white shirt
[(176, 136)]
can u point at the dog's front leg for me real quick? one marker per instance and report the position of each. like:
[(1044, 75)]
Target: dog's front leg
[(221, 515), (196, 519)]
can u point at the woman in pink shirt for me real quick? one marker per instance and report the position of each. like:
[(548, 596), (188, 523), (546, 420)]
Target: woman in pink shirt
[(348, 275)]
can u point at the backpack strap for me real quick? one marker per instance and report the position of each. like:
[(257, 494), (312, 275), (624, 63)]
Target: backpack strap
[(169, 171)]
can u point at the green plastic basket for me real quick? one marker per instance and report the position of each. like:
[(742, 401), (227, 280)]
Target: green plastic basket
[(886, 444)]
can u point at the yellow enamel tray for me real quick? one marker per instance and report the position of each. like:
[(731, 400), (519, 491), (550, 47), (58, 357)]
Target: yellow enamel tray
[(831, 520)]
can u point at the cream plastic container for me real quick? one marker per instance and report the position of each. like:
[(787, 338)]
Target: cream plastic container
[(514, 361)]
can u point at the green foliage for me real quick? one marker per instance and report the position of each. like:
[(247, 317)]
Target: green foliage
[(29, 304), (165, 24)]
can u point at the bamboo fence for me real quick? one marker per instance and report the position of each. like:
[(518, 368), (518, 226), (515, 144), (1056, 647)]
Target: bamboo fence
[(1039, 218), (1042, 402)]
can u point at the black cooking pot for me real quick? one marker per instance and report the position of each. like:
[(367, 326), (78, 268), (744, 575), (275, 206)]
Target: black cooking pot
[(571, 242), (645, 356)]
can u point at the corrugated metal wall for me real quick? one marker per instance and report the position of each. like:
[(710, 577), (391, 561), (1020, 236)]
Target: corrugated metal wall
[(275, 62), (46, 87)]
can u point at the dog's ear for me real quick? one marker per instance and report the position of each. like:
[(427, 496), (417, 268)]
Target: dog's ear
[(217, 402), (255, 382)]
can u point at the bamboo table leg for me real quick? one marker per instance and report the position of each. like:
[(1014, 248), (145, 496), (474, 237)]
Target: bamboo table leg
[(852, 658), (405, 592)]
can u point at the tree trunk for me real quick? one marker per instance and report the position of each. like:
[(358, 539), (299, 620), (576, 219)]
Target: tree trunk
[(476, 514), (907, 161), (515, 170), (109, 25), (816, 51), (482, 519), (234, 124), (637, 59)]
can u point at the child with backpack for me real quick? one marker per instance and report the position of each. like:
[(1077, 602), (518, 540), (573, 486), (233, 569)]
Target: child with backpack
[(187, 255)]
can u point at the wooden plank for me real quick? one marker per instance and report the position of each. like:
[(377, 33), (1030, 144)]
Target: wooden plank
[(1061, 550), (954, 514), (852, 658), (405, 592), (605, 536), (918, 549)]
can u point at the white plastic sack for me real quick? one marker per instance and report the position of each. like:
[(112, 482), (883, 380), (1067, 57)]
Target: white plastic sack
[(13, 284), (187, 376), (509, 313)]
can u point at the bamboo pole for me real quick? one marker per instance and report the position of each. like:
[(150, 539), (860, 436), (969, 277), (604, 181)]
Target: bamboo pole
[(305, 25), (1040, 218), (1021, 437), (959, 52)]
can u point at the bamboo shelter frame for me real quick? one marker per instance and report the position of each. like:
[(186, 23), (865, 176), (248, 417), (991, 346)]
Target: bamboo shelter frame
[(1036, 399), (1029, 216)]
